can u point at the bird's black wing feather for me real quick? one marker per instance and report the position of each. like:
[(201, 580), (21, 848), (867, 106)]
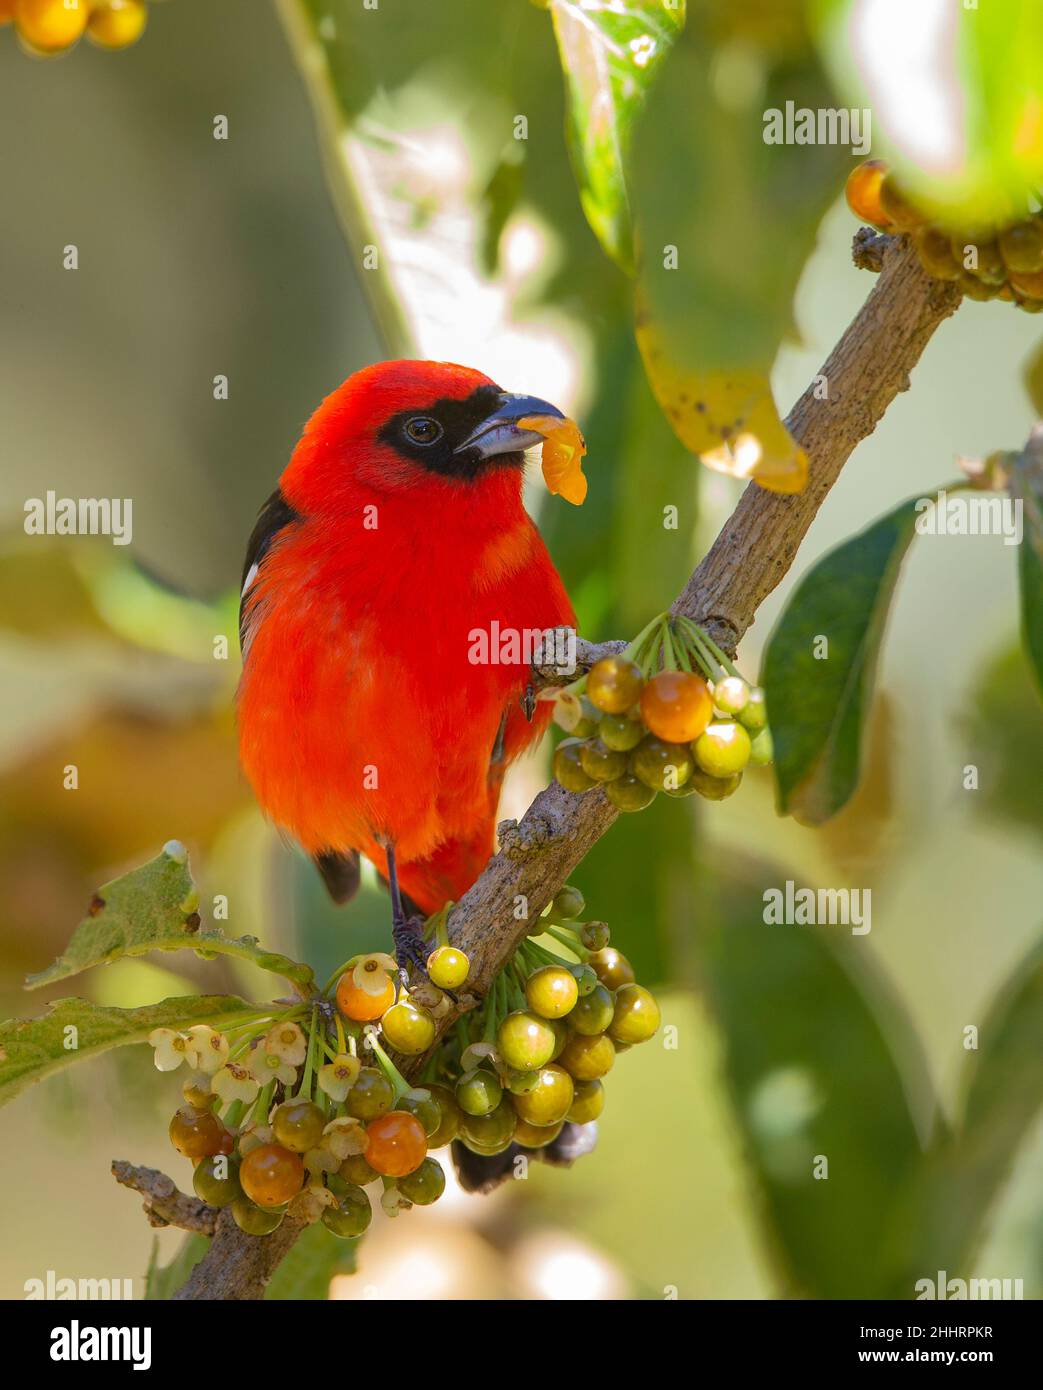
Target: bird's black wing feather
[(340, 873), (274, 517)]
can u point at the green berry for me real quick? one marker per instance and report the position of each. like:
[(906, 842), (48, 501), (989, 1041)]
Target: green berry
[(548, 1102), (551, 991), (407, 1028), (635, 1017), (593, 1013), (519, 1083), (614, 684), (754, 714), (423, 1185), (525, 1041), (478, 1092), (1021, 247), (371, 1095), (723, 749), (568, 902), (449, 1111), (713, 788), (595, 936), (731, 694), (536, 1136), (661, 765), (585, 975), (601, 764), (587, 1058), (350, 1216), (588, 1103), (620, 733), (216, 1180), (568, 767), (629, 793), (447, 967), (424, 1106), (489, 1134), (298, 1125), (255, 1221), (762, 750), (356, 1171), (612, 968)]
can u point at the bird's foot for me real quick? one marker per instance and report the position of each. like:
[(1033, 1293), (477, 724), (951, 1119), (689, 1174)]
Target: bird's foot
[(411, 952)]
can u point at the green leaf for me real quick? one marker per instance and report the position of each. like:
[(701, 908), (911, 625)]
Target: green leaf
[(315, 1257), (820, 1060), (725, 224), (940, 1220), (163, 1281), (153, 908), (818, 707), (978, 68), (74, 1029), (611, 53)]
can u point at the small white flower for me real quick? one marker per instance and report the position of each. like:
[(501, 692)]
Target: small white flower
[(311, 1202), (170, 1049), (336, 1078), (344, 1137), (287, 1042), (234, 1082), (393, 1202), (253, 1136), (265, 1066), (473, 1055), (209, 1048), (371, 972)]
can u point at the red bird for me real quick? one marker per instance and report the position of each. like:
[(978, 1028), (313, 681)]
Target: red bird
[(396, 533)]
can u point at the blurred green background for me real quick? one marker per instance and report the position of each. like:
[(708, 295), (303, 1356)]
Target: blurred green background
[(200, 257)]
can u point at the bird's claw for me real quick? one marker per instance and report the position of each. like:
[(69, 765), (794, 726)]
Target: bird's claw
[(411, 954)]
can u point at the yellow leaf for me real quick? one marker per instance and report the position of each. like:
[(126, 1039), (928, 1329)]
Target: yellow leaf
[(728, 418)]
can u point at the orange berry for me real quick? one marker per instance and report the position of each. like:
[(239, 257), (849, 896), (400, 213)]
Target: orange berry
[(271, 1175), (7, 11), (199, 1133), (676, 706), (614, 684), (117, 23), (397, 1144), (358, 1004), (51, 25), (863, 192)]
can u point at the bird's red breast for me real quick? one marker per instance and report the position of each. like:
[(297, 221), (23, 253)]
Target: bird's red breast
[(362, 715)]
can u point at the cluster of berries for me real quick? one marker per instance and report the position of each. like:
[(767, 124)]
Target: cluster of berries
[(298, 1112), (998, 262), (532, 1058), (692, 726), (48, 27)]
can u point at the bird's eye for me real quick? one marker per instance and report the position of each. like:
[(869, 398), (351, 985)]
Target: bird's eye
[(423, 430)]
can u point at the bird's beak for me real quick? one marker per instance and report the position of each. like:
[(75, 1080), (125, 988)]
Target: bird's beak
[(499, 433)]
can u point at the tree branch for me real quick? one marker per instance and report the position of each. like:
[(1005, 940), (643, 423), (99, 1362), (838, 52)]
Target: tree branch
[(868, 367), (164, 1205)]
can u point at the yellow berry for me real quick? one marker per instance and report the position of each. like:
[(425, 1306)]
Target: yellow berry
[(117, 23), (51, 25)]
